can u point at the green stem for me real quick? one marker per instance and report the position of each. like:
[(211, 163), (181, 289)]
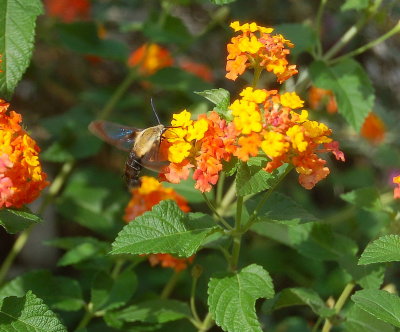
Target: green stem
[(23, 237), (237, 236), (352, 31), (193, 300), (362, 49), (117, 268), (170, 285), (212, 208), (253, 217), (228, 198), (256, 77), (86, 318), (339, 304), (220, 188), (119, 92), (318, 26), (208, 322)]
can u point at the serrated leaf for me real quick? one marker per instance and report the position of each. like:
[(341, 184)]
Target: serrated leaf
[(300, 296), (251, 178), (357, 320), (15, 221), (379, 303), (350, 84), (28, 313), (164, 229), (231, 298), (60, 293), (220, 98), (384, 249), (17, 31), (153, 311), (355, 4), (279, 209), (365, 198), (108, 293)]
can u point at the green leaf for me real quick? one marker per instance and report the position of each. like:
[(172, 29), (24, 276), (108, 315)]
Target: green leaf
[(351, 85), (153, 311), (379, 303), (82, 37), (15, 221), (357, 320), (164, 229), (299, 296), (384, 249), (355, 4), (301, 35), (251, 178), (365, 198), (28, 313), (108, 293), (220, 98), (280, 209), (17, 31), (232, 297), (60, 293)]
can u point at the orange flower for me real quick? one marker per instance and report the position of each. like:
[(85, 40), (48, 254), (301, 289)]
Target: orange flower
[(21, 176), (373, 129), (150, 193), (396, 181), (256, 48), (318, 98), (68, 10), (197, 69), (149, 58)]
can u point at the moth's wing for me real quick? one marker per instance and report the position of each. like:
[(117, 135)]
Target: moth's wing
[(153, 160), (115, 134)]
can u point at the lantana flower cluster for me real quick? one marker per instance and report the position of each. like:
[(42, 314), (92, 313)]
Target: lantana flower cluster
[(150, 193), (256, 47), (21, 175), (264, 122)]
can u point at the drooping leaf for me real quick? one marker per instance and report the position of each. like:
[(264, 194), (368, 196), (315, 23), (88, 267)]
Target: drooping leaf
[(17, 31), (220, 98), (108, 293), (358, 320), (350, 84), (365, 198), (152, 311), (28, 313), (355, 4), (384, 249), (164, 229), (279, 208), (231, 298), (15, 221), (299, 296), (379, 303), (60, 293)]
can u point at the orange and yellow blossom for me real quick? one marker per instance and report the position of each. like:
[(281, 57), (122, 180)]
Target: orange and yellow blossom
[(21, 175), (150, 193), (256, 47), (149, 58)]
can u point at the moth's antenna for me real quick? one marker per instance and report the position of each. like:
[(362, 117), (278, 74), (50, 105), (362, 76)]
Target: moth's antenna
[(154, 110)]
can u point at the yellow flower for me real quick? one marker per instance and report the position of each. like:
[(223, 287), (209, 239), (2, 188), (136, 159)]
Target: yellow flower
[(181, 119), (317, 130), (274, 144), (251, 45), (197, 130), (291, 100), (179, 151), (248, 122), (256, 96), (296, 136)]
